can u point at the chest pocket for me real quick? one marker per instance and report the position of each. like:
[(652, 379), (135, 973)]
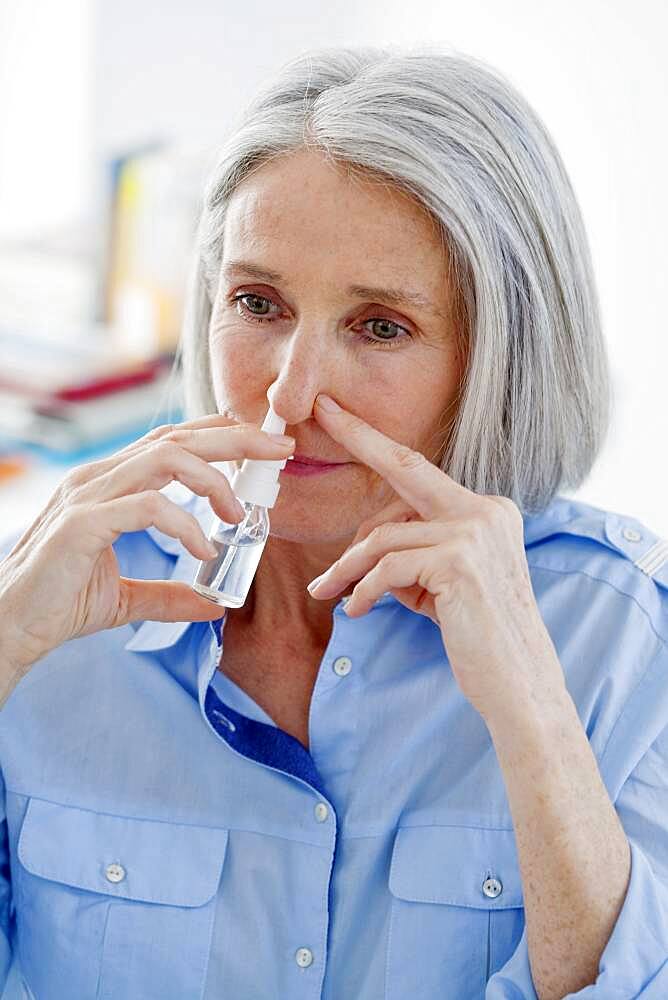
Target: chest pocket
[(115, 907), (456, 911)]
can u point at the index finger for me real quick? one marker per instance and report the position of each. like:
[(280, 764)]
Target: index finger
[(410, 474), (162, 430), (202, 437)]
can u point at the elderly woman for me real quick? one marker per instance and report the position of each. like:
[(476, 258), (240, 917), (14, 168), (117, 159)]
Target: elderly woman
[(453, 784)]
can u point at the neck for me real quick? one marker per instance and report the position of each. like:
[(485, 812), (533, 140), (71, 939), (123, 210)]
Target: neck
[(278, 596)]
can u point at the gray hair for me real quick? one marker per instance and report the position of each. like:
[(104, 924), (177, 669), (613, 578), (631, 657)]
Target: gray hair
[(534, 404)]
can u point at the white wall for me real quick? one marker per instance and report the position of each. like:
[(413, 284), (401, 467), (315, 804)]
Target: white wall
[(45, 168), (184, 67)]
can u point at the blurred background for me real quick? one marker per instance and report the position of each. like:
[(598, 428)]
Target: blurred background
[(111, 114)]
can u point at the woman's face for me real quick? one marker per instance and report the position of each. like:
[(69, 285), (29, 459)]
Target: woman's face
[(317, 321)]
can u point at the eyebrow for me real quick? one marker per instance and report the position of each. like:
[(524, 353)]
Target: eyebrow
[(396, 296)]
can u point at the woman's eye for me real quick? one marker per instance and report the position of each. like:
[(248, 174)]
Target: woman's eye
[(384, 340), (252, 307), (259, 317)]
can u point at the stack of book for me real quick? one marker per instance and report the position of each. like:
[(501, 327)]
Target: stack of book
[(68, 399), (90, 317)]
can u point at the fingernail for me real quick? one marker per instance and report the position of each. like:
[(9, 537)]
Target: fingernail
[(282, 438), (314, 583), (327, 403)]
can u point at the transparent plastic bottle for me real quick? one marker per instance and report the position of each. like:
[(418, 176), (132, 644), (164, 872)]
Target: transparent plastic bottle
[(227, 577)]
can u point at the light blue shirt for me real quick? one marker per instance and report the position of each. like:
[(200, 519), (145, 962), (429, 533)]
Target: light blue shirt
[(163, 838)]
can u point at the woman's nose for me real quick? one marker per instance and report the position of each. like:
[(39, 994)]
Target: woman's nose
[(301, 375), (306, 362), (294, 402)]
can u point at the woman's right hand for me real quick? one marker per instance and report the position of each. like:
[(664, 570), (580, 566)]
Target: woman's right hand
[(61, 579)]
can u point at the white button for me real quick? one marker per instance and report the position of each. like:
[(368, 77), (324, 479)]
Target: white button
[(115, 873), (321, 812), (342, 665), (631, 535), (492, 887), (303, 957)]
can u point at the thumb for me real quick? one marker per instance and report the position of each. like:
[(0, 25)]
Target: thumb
[(163, 601)]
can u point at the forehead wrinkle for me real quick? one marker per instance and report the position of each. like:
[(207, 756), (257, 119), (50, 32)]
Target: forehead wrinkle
[(396, 296)]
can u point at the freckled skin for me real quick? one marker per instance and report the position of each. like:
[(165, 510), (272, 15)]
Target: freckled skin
[(322, 230)]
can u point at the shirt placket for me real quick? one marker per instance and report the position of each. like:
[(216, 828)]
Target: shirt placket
[(271, 747)]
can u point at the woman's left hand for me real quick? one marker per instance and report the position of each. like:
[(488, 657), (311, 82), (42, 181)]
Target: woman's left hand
[(462, 564)]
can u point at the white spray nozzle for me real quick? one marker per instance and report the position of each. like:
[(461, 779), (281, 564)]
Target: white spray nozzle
[(257, 479), (272, 423)]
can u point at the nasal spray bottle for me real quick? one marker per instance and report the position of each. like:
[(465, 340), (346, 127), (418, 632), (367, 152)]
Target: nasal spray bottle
[(226, 578)]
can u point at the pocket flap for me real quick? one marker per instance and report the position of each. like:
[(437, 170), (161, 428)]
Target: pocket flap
[(461, 865), (140, 859)]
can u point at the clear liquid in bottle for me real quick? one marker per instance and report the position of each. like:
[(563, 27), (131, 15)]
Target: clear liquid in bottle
[(227, 577)]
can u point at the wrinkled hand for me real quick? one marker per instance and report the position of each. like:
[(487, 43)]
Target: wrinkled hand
[(455, 556)]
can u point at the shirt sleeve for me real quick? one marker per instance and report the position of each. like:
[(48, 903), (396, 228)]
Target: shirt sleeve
[(634, 963)]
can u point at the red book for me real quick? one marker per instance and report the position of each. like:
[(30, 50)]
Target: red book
[(110, 383)]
